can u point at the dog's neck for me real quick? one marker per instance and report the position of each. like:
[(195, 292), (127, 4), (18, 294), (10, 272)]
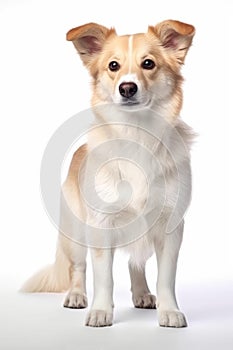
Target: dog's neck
[(144, 125), (144, 129)]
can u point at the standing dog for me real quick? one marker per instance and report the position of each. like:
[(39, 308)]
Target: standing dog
[(136, 94)]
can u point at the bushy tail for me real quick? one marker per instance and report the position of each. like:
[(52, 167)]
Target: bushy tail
[(53, 278)]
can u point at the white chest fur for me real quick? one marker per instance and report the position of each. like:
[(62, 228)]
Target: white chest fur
[(138, 167)]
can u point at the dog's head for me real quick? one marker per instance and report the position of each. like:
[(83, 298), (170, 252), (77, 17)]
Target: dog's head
[(136, 71)]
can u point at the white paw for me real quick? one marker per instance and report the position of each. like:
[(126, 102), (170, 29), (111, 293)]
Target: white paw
[(171, 318), (99, 318), (75, 301), (147, 301)]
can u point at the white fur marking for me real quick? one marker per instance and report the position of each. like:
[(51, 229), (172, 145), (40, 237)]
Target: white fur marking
[(130, 52)]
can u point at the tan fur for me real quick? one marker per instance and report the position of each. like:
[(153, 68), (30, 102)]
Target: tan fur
[(98, 253), (75, 164), (57, 277)]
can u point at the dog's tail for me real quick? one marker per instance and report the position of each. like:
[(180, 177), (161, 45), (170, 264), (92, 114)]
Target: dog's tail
[(53, 278)]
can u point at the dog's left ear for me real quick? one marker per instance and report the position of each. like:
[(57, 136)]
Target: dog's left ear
[(88, 39), (175, 36)]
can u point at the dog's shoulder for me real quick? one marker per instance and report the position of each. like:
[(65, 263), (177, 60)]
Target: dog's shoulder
[(76, 162)]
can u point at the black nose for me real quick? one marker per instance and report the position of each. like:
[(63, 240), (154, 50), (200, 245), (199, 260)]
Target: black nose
[(128, 89)]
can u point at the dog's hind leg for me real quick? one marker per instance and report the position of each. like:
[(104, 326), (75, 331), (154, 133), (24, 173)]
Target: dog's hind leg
[(141, 295)]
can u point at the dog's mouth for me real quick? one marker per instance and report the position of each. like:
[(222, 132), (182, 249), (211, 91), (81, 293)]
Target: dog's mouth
[(127, 103)]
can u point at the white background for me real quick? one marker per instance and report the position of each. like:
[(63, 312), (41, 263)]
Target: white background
[(43, 83)]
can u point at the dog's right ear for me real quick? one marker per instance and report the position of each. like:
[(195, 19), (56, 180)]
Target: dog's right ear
[(89, 39)]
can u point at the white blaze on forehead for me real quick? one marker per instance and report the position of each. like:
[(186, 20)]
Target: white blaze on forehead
[(130, 52), (131, 77)]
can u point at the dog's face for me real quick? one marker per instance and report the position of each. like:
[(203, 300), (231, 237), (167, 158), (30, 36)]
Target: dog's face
[(135, 71)]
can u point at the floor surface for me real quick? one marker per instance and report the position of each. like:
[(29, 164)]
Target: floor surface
[(38, 321)]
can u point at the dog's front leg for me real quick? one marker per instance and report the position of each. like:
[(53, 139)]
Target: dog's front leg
[(167, 255), (101, 313)]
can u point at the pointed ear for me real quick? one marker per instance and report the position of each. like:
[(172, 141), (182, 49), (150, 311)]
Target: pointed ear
[(88, 40), (175, 36)]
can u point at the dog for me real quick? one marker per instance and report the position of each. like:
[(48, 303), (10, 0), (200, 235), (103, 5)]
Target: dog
[(136, 100)]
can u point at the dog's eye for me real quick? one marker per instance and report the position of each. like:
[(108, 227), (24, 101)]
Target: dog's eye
[(148, 64), (114, 66)]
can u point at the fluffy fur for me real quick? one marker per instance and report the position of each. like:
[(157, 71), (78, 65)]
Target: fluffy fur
[(158, 92)]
